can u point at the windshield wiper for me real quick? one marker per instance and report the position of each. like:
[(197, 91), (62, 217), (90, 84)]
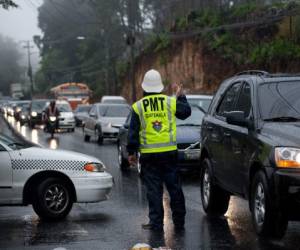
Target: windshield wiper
[(283, 119), (17, 144), (189, 124)]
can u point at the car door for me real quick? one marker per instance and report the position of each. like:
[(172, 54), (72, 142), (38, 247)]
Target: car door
[(90, 121), (237, 143), (6, 182), (218, 136)]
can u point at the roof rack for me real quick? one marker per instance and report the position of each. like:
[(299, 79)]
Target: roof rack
[(253, 72)]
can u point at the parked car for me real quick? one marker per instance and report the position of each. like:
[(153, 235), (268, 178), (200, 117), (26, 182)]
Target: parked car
[(50, 180), (188, 142), (113, 99), (202, 101), (104, 121), (251, 148), (18, 107), (81, 113), (36, 109)]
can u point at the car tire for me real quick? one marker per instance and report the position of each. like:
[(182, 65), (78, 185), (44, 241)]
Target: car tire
[(99, 136), (214, 199), (268, 221), (72, 129), (123, 162), (53, 199), (31, 125)]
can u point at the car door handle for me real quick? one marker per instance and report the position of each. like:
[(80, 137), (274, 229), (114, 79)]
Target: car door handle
[(227, 134)]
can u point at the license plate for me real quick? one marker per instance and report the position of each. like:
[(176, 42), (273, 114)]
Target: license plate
[(192, 154)]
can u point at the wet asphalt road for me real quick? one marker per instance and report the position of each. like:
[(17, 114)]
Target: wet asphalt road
[(115, 223)]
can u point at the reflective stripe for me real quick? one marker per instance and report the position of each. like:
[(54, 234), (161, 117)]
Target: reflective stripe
[(143, 132), (170, 119), (159, 145)]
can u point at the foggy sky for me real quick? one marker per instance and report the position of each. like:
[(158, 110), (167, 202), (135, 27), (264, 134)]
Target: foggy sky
[(21, 23)]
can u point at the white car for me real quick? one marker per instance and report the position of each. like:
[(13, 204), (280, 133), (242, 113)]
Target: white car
[(50, 180), (104, 121)]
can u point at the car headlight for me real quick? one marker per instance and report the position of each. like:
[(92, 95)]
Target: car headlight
[(18, 110), (33, 114), (94, 167), (286, 157), (23, 117), (52, 118)]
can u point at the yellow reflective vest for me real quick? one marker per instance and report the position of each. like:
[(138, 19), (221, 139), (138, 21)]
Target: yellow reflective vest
[(158, 123)]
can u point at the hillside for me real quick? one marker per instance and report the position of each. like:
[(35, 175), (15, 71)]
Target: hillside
[(202, 49)]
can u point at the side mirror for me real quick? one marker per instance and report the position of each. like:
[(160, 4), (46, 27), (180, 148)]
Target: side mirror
[(237, 118), (93, 115), (126, 126)]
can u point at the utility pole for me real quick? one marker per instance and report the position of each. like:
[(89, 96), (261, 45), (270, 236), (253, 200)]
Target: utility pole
[(131, 42), (28, 46)]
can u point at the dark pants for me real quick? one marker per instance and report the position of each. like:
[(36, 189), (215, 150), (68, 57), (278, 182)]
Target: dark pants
[(159, 169)]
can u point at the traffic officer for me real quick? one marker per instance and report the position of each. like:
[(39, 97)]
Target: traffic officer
[(152, 132)]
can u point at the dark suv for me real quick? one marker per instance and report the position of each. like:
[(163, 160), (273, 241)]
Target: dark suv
[(251, 148)]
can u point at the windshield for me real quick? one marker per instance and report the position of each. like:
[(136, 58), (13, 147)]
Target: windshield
[(65, 107), (84, 109), (13, 143), (114, 111), (38, 105), (203, 103), (195, 118), (279, 99)]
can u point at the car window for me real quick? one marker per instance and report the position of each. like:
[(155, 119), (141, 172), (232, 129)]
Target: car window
[(227, 103), (279, 99), (244, 101), (93, 111)]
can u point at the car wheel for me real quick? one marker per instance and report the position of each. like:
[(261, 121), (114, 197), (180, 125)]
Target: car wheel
[(53, 199), (31, 125), (268, 221), (215, 200), (72, 129), (123, 162), (99, 136), (86, 137), (138, 165)]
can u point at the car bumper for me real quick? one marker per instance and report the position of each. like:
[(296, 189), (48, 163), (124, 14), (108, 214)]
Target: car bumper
[(110, 132), (287, 192), (93, 188), (66, 124)]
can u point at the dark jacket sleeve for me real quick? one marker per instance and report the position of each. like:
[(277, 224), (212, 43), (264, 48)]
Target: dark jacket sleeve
[(133, 133), (183, 108)]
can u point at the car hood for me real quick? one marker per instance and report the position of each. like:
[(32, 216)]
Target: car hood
[(43, 154), (113, 120), (282, 133), (188, 134)]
